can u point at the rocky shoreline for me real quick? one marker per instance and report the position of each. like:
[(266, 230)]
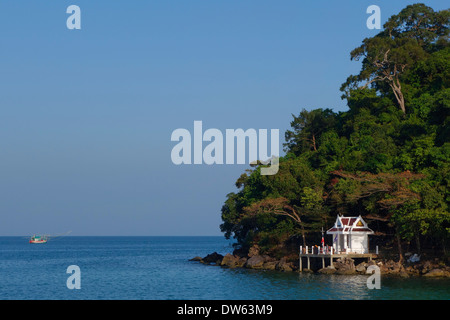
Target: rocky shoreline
[(346, 266)]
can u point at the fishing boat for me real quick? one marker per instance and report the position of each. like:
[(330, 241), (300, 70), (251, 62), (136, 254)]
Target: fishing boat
[(46, 237), (39, 239)]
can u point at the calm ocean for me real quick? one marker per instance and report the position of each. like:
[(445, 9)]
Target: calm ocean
[(155, 268)]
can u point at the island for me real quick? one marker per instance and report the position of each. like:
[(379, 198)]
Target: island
[(385, 159)]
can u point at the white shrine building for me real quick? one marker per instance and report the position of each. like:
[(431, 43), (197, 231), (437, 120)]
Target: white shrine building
[(350, 235)]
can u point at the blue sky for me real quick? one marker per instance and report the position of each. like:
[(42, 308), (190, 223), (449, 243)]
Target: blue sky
[(86, 115)]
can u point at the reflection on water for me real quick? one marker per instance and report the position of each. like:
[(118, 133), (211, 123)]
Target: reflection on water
[(305, 286), (313, 286)]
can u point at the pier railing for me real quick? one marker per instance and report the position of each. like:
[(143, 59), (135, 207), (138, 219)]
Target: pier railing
[(326, 250), (330, 253)]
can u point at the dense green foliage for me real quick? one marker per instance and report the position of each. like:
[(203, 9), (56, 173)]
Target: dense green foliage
[(386, 158)]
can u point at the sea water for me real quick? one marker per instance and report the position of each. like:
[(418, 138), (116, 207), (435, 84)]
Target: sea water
[(158, 268)]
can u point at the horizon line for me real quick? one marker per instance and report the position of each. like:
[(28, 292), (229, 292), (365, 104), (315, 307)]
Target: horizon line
[(122, 236)]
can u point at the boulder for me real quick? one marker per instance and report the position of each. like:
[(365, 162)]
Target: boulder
[(255, 262), (344, 264), (269, 265), (233, 261), (390, 267), (196, 259), (241, 262), (214, 257), (412, 271), (283, 265), (362, 267), (427, 266), (306, 270), (327, 270), (230, 261), (382, 266), (434, 273)]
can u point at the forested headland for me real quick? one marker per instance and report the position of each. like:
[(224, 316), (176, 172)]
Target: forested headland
[(386, 158)]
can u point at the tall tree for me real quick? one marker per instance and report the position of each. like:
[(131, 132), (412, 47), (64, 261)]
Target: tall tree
[(406, 39), (384, 62)]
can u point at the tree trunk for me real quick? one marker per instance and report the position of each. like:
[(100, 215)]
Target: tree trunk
[(397, 89), (418, 244), (314, 142), (400, 252)]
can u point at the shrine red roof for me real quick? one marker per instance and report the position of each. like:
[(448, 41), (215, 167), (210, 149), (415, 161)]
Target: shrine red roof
[(348, 221), (349, 224), (348, 229)]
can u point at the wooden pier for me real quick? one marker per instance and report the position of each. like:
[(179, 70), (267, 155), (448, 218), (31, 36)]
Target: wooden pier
[(329, 253)]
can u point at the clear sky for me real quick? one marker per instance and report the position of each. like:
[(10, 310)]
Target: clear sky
[(86, 115)]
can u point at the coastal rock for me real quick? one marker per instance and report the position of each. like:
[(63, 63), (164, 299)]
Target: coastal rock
[(362, 267), (427, 266), (214, 257), (255, 262), (233, 261), (196, 259), (389, 266), (284, 266), (327, 270), (270, 265), (344, 264), (411, 270), (306, 270), (241, 262), (230, 261), (435, 273), (383, 268)]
